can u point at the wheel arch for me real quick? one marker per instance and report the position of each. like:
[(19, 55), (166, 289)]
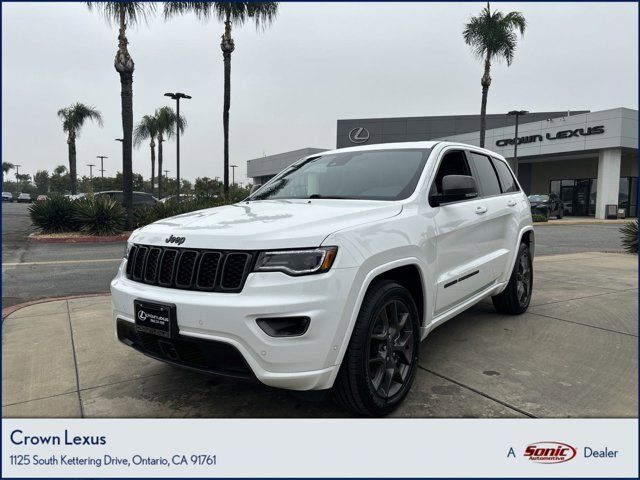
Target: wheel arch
[(407, 272)]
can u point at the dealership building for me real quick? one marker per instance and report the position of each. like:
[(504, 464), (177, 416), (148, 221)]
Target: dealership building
[(590, 159)]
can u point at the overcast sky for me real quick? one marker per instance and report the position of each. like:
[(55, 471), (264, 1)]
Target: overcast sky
[(317, 63)]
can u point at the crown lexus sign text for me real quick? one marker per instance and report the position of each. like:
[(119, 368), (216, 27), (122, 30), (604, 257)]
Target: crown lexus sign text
[(578, 132)]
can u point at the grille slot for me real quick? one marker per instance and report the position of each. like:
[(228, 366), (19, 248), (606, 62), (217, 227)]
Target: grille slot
[(208, 270), (186, 268), (131, 258), (167, 267), (138, 264), (189, 269), (153, 260), (233, 272)]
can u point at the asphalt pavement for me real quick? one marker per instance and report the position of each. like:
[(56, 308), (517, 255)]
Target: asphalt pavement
[(574, 353), (32, 271)]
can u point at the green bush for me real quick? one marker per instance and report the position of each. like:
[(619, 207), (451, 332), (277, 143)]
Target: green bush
[(145, 215), (630, 236), (540, 218), (100, 216), (54, 215)]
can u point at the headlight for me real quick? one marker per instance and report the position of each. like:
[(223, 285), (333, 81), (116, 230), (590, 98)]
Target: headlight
[(297, 262)]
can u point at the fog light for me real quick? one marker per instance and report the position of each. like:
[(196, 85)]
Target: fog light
[(284, 326)]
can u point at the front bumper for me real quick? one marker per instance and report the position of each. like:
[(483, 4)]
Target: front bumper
[(305, 362)]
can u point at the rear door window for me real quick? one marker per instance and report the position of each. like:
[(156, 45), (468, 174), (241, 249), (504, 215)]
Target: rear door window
[(487, 175), (507, 182)]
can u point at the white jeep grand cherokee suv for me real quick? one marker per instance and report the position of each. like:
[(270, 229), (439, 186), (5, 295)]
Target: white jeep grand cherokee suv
[(331, 274)]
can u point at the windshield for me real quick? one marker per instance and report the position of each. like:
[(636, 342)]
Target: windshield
[(538, 198), (364, 175)]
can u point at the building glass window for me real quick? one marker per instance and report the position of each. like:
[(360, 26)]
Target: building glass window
[(555, 187)]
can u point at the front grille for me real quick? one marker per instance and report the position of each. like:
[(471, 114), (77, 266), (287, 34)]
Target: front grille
[(189, 269), (204, 355)]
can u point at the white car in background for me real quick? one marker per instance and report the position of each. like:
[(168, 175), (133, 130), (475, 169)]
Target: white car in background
[(331, 274)]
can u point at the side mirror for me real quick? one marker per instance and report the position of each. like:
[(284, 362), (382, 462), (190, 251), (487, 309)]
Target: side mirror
[(254, 188), (456, 188)]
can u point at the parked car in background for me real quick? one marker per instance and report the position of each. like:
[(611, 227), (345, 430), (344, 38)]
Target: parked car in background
[(172, 198), (548, 205), (41, 198), (140, 199), (7, 197), (24, 198)]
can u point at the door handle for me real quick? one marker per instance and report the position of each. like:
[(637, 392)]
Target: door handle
[(481, 210), (512, 203)]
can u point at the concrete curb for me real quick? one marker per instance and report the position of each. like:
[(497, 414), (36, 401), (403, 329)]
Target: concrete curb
[(14, 308), (79, 239), (569, 223)]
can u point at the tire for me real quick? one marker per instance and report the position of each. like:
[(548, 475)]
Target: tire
[(515, 298), (371, 382)]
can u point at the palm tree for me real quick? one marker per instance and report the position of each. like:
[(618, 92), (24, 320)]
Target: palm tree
[(73, 118), (6, 166), (125, 13), (492, 37), (147, 129), (262, 14), (166, 119)]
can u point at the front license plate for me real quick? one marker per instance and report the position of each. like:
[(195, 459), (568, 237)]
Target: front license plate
[(155, 318)]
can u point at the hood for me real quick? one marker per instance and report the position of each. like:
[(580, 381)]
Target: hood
[(266, 224)]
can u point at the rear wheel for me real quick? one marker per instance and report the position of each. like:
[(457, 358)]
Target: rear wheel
[(516, 297), (380, 364)]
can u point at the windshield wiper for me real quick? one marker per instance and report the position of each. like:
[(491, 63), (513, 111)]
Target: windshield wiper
[(316, 195)]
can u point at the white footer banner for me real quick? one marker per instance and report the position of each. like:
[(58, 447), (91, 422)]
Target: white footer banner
[(319, 448)]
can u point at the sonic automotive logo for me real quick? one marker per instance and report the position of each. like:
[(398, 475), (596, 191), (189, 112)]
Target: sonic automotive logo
[(550, 452)]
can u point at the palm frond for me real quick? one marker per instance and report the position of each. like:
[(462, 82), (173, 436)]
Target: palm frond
[(146, 129), (134, 12), (74, 116), (262, 13), (493, 35), (167, 119)]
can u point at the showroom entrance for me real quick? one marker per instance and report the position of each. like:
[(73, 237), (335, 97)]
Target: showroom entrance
[(579, 195)]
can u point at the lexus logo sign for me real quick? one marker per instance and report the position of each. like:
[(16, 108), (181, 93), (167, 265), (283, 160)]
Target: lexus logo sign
[(359, 135)]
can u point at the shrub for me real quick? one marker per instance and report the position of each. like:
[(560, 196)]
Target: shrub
[(100, 216), (54, 215), (145, 215), (630, 236), (540, 218)]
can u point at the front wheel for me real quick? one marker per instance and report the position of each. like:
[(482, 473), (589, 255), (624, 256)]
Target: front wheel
[(381, 360), (515, 298)]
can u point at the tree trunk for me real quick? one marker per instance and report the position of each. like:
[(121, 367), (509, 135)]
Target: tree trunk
[(486, 82), (153, 164), (227, 46), (160, 177), (72, 163), (124, 66)]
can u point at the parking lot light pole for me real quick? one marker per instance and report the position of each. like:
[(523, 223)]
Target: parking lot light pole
[(177, 96), (517, 114), (233, 174), (90, 165), (102, 157)]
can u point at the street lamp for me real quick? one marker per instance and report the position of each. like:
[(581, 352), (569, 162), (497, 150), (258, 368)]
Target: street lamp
[(90, 165), (177, 96), (517, 114), (233, 170)]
